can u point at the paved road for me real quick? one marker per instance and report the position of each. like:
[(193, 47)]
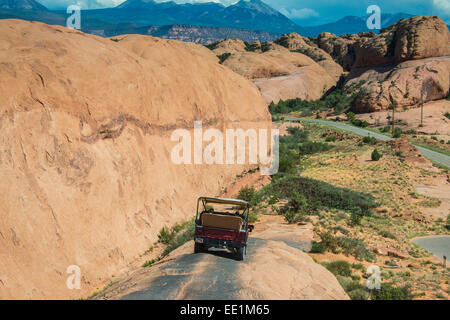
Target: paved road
[(430, 154)]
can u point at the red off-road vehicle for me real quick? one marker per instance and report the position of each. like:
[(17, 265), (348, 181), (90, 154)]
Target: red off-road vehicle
[(222, 223)]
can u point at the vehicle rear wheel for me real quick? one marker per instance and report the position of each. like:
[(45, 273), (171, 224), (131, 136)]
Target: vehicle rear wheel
[(240, 254), (198, 248)]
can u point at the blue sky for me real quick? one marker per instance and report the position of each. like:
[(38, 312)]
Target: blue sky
[(305, 12)]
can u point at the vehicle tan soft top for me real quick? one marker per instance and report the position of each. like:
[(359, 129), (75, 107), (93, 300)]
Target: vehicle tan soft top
[(235, 202), (221, 221)]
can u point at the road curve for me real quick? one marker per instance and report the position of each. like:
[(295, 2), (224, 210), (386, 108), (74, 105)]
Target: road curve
[(430, 154)]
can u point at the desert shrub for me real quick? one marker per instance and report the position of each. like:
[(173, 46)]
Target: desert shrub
[(247, 194), (397, 133), (166, 235), (265, 46), (340, 268), (184, 233), (337, 101), (411, 131), (253, 215), (292, 216), (355, 247), (376, 155), (331, 138), (212, 46), (389, 292), (434, 138), (369, 140), (355, 218), (359, 123), (359, 293), (350, 116), (386, 234), (288, 160), (296, 209), (329, 242), (358, 266), (311, 147), (385, 129), (353, 288), (223, 57), (321, 194), (149, 263), (317, 247), (249, 47)]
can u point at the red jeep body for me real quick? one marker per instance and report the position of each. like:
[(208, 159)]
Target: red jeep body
[(225, 228)]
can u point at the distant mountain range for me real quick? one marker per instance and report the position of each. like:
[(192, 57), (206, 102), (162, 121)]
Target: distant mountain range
[(22, 5), (249, 20)]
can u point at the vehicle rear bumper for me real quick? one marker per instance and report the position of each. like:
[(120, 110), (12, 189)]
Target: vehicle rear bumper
[(217, 243)]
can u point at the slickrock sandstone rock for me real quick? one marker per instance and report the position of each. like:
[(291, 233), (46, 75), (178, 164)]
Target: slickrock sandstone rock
[(85, 149), (404, 84), (342, 48), (295, 42), (215, 275), (280, 73), (414, 38)]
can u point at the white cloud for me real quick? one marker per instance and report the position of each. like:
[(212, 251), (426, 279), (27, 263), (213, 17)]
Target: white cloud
[(443, 6), (299, 13)]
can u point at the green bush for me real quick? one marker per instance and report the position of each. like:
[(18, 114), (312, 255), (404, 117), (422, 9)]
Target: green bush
[(386, 234), (149, 263), (340, 268), (223, 57), (184, 233), (397, 133), (358, 266), (338, 101), (385, 129), (329, 242), (376, 155), (296, 209), (359, 123), (351, 116), (321, 194), (311, 147), (317, 247), (355, 247), (359, 293), (389, 292), (166, 235), (331, 138), (370, 140), (355, 218), (353, 288), (247, 194)]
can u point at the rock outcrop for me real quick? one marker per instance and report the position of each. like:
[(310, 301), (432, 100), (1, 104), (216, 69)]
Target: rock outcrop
[(85, 152), (216, 275), (296, 43), (277, 71), (405, 64), (342, 48), (409, 39), (402, 85)]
